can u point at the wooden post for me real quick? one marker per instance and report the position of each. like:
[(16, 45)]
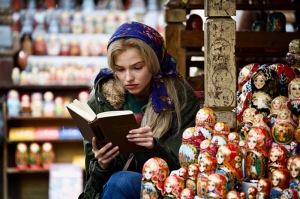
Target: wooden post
[(219, 53), (175, 15)]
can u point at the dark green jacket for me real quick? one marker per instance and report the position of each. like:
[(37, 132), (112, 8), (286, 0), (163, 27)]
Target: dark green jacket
[(166, 147)]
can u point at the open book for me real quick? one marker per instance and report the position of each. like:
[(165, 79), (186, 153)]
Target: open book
[(111, 126)]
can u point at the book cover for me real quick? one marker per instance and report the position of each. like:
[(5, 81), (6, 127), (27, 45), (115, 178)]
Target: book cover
[(111, 126)]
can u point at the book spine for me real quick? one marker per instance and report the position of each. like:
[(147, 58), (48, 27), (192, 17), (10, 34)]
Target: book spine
[(99, 135)]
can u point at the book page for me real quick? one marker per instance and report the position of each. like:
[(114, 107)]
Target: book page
[(114, 113), (83, 112)]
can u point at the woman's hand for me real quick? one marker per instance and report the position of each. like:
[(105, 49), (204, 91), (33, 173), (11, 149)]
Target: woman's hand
[(142, 136), (104, 155)]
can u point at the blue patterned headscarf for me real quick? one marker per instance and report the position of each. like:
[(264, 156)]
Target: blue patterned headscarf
[(150, 36)]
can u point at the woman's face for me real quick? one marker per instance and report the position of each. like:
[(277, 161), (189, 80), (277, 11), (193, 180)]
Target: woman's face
[(252, 141), (275, 180), (259, 81), (294, 170), (295, 90), (220, 157), (132, 71), (273, 156)]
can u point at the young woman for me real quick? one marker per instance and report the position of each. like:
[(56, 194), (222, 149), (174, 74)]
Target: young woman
[(142, 78)]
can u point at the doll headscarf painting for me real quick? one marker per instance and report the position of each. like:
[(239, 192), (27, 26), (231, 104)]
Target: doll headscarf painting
[(150, 36)]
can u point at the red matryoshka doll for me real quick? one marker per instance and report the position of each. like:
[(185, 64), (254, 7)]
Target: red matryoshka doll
[(289, 194), (251, 192), (188, 152), (284, 127), (286, 74), (277, 158), (277, 104), (229, 158), (21, 156), (216, 186), (294, 96), (154, 173), (257, 147), (295, 173), (47, 155), (194, 22), (191, 181), (220, 133), (34, 158), (232, 194), (205, 122), (25, 104), (294, 148), (187, 193), (173, 187), (207, 148), (207, 166), (264, 83), (293, 56), (246, 124), (234, 137), (246, 73), (280, 180), (263, 188)]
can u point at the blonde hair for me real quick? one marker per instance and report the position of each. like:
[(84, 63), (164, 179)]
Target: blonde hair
[(159, 122)]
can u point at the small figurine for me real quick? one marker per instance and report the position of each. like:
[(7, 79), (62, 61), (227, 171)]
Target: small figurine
[(251, 192), (295, 173), (48, 104), (289, 194), (280, 180), (263, 188), (154, 173), (216, 186), (277, 158), (220, 133), (21, 156), (191, 181), (173, 187), (36, 105), (183, 173), (25, 104), (13, 103), (59, 106), (34, 159), (207, 148), (205, 122), (234, 137), (232, 194), (47, 155), (294, 148), (276, 22), (294, 96), (187, 194), (247, 122), (277, 104), (293, 56)]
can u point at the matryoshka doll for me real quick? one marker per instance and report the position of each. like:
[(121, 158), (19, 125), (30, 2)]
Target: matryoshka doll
[(246, 124), (229, 159), (47, 155), (251, 192), (207, 166), (264, 84), (294, 148), (205, 122), (173, 187), (25, 104), (21, 156), (293, 56), (191, 181), (257, 147), (220, 133), (283, 129), (295, 173), (263, 188), (234, 137), (13, 103), (216, 186), (277, 158), (187, 194), (294, 96), (154, 173), (188, 152), (260, 120), (280, 180), (207, 148), (183, 173), (276, 22), (232, 194), (289, 194), (277, 104), (34, 158)]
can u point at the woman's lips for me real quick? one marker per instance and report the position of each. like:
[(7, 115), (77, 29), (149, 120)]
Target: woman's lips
[(131, 86)]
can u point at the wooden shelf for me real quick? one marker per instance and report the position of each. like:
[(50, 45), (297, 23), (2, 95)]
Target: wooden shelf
[(14, 170)]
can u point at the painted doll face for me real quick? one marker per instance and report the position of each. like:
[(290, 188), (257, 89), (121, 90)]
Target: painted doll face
[(191, 171), (219, 126), (204, 144), (275, 180), (294, 170), (276, 104), (211, 185), (295, 90), (220, 157), (148, 173), (202, 115), (188, 133), (168, 187), (273, 156), (202, 166), (284, 114), (252, 141), (259, 81)]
